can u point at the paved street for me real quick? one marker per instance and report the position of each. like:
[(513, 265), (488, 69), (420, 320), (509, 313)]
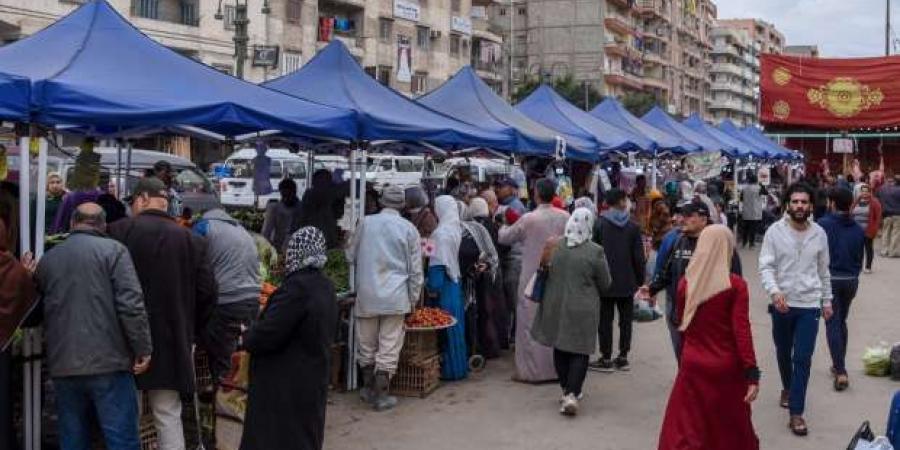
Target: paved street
[(623, 411)]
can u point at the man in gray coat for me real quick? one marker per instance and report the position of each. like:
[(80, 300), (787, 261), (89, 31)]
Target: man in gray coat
[(98, 335), (233, 257)]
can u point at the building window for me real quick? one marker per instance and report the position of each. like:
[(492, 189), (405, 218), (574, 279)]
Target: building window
[(290, 61), (419, 83), (454, 44), (293, 10), (384, 75), (189, 14), (455, 6), (371, 71), (422, 37), (502, 11), (385, 27), (228, 14), (522, 11), (148, 9), (465, 46)]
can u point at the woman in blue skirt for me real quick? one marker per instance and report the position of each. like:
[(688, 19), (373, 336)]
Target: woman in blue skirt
[(444, 281)]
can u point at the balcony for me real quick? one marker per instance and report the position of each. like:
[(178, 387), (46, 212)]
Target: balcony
[(656, 58), (356, 4), (184, 12), (728, 68), (618, 24), (728, 105), (725, 50), (652, 8), (614, 48), (655, 83), (658, 33), (622, 3), (621, 78)]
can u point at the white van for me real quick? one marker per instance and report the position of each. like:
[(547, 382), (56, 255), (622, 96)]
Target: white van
[(395, 170), (236, 189)]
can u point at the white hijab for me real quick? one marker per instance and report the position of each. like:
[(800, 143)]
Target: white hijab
[(447, 236), (580, 227)]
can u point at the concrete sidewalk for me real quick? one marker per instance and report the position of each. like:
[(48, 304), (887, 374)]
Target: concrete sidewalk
[(623, 411)]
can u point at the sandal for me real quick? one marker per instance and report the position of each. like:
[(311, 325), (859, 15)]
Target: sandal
[(785, 399), (798, 426), (841, 382)]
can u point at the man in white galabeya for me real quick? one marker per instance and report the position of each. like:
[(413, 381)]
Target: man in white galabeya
[(793, 265)]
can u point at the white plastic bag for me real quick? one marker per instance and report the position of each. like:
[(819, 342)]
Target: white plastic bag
[(644, 312), (880, 443)]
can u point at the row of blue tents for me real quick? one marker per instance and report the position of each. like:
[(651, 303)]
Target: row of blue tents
[(93, 72)]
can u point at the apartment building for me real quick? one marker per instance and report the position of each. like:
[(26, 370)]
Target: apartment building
[(764, 34), (808, 51), (735, 76), (280, 31), (410, 45)]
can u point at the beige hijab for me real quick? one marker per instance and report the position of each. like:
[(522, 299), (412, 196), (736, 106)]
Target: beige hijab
[(709, 271)]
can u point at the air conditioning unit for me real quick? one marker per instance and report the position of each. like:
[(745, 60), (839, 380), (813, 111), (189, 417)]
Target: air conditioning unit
[(435, 34)]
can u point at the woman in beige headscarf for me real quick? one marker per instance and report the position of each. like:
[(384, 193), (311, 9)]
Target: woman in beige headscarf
[(709, 407)]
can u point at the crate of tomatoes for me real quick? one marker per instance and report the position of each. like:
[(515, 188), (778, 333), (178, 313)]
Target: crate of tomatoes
[(421, 340)]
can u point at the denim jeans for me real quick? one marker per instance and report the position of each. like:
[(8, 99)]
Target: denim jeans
[(836, 328), (112, 396), (795, 340)]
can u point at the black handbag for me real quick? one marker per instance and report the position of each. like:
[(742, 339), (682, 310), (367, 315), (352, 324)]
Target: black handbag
[(540, 284), (863, 433)]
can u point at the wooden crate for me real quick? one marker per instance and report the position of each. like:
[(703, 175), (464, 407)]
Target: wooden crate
[(417, 378), (419, 346)]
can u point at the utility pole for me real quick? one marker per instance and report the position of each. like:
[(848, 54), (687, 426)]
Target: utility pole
[(887, 29), (512, 25), (241, 36)]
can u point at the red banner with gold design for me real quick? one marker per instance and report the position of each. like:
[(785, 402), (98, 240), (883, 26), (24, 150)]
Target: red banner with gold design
[(830, 93)]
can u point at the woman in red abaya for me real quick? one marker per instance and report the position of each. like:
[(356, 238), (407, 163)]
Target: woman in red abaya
[(709, 408)]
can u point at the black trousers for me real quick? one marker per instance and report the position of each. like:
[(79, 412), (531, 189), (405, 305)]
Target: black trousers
[(221, 334), (7, 432), (571, 369), (750, 229), (870, 252), (608, 305)]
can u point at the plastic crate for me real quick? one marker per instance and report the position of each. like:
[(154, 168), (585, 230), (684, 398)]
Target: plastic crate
[(419, 346), (417, 378)]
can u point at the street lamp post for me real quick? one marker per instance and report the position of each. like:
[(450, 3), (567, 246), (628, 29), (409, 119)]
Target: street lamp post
[(241, 37)]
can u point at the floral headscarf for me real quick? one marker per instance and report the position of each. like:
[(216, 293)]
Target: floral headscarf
[(580, 227), (306, 248)]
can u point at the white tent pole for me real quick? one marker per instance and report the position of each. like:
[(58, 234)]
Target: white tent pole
[(128, 166), (24, 247), (41, 200), (653, 165), (118, 168), (351, 327)]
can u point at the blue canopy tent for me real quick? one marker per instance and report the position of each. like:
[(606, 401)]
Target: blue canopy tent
[(468, 99), (334, 78), (14, 96), (758, 136), (548, 108), (758, 151), (660, 119), (93, 69), (730, 146), (612, 112)]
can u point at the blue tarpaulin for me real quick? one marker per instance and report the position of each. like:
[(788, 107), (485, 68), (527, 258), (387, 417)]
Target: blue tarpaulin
[(758, 151), (612, 112), (758, 136), (94, 69), (547, 107), (467, 98), (730, 146), (14, 95), (334, 78), (659, 119)]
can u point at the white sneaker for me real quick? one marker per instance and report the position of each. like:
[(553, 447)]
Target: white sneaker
[(868, 271), (569, 406), (563, 398)]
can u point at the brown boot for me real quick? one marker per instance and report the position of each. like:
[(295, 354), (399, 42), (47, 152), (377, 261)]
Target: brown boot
[(785, 399), (798, 426)]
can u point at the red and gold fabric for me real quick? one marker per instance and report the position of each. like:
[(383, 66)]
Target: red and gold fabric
[(830, 93)]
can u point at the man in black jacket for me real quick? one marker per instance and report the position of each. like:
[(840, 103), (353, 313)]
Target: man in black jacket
[(179, 293), (672, 260), (621, 240)]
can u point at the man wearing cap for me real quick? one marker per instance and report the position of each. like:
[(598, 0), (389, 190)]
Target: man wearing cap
[(179, 294), (508, 195), (675, 253), (386, 251), (509, 209), (163, 170)]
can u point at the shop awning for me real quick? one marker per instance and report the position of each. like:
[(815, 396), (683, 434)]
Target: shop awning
[(612, 112), (14, 96), (94, 69), (660, 119), (548, 108), (758, 136), (730, 146), (756, 149), (334, 78), (467, 98)]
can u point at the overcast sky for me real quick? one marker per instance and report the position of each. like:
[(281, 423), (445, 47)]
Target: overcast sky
[(839, 27)]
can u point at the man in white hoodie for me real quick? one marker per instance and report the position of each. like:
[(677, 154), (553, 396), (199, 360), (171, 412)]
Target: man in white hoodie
[(793, 266)]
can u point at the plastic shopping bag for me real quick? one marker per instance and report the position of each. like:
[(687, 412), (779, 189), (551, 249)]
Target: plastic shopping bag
[(644, 311), (877, 360)]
